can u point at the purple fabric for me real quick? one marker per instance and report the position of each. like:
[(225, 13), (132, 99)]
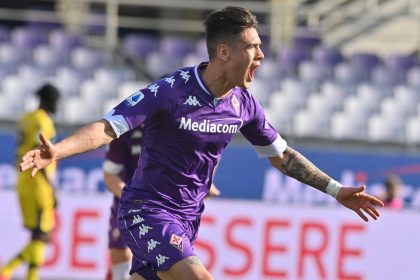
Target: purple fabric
[(125, 151), (185, 131), (157, 239), (114, 236)]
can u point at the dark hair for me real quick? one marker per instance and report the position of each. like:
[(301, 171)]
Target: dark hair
[(392, 180), (48, 96), (225, 25)]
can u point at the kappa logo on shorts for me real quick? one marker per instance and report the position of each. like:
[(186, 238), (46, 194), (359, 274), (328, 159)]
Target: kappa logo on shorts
[(160, 259), (177, 242), (137, 220)]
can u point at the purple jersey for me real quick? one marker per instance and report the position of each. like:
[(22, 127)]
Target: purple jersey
[(185, 131), (121, 159), (122, 154)]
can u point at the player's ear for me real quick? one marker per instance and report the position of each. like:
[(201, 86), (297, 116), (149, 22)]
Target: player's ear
[(222, 51)]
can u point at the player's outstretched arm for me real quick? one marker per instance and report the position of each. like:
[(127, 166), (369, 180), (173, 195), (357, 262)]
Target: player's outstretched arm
[(295, 165), (85, 139)]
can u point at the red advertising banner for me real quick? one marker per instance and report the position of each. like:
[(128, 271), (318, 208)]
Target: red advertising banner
[(238, 240)]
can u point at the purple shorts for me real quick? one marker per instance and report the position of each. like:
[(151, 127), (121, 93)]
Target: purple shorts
[(114, 237), (157, 238)]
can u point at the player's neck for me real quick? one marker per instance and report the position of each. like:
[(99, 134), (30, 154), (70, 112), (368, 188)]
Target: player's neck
[(216, 81)]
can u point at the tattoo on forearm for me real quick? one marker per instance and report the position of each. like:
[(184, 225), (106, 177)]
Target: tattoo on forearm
[(300, 168), (194, 261)]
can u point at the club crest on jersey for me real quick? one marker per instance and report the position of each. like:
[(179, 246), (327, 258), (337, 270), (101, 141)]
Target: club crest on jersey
[(177, 242), (235, 104), (135, 98), (192, 101)]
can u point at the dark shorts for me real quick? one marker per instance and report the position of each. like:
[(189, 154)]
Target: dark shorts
[(114, 237), (157, 238)]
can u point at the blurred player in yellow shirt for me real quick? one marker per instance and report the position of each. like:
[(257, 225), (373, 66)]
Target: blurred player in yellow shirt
[(36, 195)]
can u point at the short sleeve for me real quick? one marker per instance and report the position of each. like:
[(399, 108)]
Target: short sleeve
[(137, 108), (262, 135)]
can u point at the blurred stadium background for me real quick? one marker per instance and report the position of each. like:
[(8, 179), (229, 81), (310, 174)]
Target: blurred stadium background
[(341, 82)]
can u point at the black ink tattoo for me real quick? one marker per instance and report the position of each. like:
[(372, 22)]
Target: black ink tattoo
[(300, 168)]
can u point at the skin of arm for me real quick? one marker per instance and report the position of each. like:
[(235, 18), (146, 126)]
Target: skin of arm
[(87, 138), (295, 165), (114, 183)]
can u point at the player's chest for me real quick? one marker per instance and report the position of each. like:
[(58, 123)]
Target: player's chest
[(204, 119)]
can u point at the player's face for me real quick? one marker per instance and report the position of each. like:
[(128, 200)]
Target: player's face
[(245, 56)]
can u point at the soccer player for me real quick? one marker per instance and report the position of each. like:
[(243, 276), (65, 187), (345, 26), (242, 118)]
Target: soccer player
[(120, 162), (36, 195), (189, 117)]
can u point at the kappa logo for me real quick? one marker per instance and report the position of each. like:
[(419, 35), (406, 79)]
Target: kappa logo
[(177, 242), (154, 89), (137, 220), (160, 259), (143, 229), (192, 101), (135, 98), (151, 245), (170, 80), (185, 75)]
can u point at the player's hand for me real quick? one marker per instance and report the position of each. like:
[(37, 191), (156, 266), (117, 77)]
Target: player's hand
[(356, 199), (40, 157)]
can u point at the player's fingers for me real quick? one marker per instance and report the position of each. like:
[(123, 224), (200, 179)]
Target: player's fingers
[(371, 213), (26, 165), (361, 215), (358, 190), (375, 201), (372, 208), (28, 155), (34, 171), (43, 139)]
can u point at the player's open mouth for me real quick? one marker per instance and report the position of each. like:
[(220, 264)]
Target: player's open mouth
[(251, 72)]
